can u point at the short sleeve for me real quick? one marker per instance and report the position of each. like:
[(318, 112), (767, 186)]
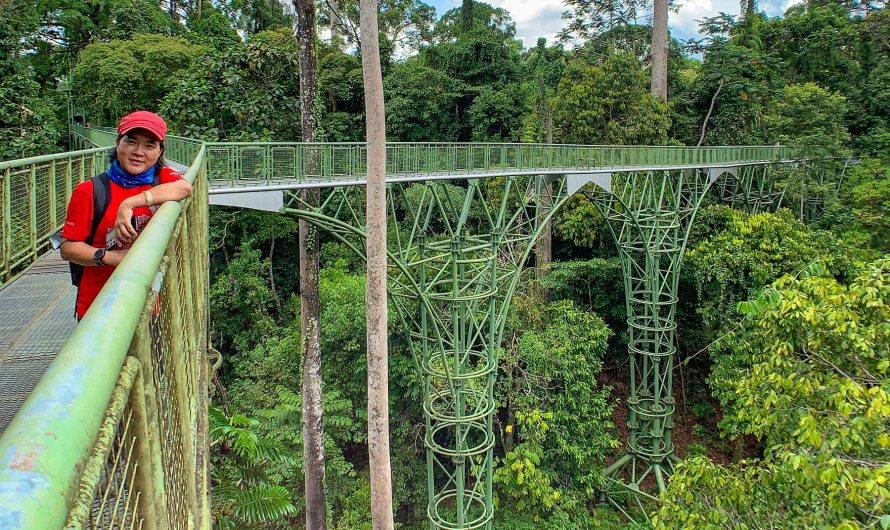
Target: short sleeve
[(80, 213), (168, 174)]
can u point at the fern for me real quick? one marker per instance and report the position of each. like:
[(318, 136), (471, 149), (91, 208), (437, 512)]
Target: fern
[(263, 503)]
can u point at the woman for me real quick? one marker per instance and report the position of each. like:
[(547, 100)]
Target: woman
[(137, 182)]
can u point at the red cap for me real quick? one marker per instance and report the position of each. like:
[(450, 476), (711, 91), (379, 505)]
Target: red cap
[(142, 119)]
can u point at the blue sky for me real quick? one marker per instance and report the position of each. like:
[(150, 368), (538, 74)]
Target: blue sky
[(536, 18)]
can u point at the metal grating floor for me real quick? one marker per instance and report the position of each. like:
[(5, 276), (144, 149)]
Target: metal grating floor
[(36, 317)]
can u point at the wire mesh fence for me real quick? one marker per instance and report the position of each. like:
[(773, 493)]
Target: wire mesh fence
[(33, 195), (280, 163)]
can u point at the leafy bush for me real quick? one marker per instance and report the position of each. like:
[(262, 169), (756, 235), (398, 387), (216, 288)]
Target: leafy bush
[(817, 391), (557, 352)]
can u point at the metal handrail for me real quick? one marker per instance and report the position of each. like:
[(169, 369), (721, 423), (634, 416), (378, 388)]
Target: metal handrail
[(53, 454), (34, 192)]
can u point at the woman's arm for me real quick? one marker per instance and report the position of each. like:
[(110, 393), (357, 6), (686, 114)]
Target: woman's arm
[(171, 191), (82, 254)]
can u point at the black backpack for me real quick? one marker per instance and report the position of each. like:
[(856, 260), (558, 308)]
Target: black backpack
[(101, 198)]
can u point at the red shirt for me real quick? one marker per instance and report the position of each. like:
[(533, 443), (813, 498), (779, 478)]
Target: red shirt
[(79, 221)]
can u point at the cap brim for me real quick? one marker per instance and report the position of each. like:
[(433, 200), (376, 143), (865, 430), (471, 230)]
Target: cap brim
[(143, 127)]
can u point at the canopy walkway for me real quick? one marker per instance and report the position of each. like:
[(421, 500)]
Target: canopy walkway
[(114, 434)]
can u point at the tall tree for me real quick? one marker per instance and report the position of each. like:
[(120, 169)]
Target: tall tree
[(588, 18), (310, 306), (375, 292), (466, 11), (406, 24), (544, 72), (659, 51)]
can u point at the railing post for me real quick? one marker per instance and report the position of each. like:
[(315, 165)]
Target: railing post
[(69, 175), (200, 283), (151, 491), (53, 214), (32, 202), (150, 452), (7, 223), (194, 356)]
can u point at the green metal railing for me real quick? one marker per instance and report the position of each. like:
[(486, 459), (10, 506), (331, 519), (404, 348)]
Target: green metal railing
[(115, 433), (34, 193), (241, 164), (335, 164)]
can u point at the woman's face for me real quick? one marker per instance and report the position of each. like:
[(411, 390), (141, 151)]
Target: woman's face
[(137, 151)]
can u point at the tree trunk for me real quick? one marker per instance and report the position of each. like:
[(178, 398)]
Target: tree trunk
[(704, 125), (334, 9), (375, 292), (659, 51), (310, 307), (544, 246), (466, 13)]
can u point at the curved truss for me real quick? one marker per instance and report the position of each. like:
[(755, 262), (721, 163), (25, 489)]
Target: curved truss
[(455, 259), (456, 255)]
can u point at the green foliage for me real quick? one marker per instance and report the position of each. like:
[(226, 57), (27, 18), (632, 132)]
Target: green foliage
[(130, 18), (811, 119), (580, 222), (483, 16), (242, 293), (736, 84), (28, 123), (557, 351), (245, 494), (257, 16), (817, 391), (867, 194), (340, 88), (497, 115), (406, 24), (421, 102), (608, 104), (753, 251), (591, 285), (140, 73), (588, 19), (246, 92), (518, 474), (479, 58), (212, 29), (821, 45)]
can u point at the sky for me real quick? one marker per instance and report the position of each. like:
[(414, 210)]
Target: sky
[(543, 18)]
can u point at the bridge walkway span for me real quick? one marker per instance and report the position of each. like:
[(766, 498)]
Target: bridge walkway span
[(36, 317)]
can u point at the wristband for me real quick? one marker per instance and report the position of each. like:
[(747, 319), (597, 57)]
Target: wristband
[(149, 200)]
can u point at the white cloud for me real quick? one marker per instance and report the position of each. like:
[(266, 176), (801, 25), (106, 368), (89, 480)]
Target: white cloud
[(543, 18), (534, 18), (684, 23)]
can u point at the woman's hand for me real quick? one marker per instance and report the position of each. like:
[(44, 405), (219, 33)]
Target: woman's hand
[(124, 232)]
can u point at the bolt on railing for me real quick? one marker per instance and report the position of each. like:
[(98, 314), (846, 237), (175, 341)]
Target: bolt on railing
[(115, 433)]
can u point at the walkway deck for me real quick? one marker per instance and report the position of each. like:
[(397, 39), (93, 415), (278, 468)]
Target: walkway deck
[(36, 316)]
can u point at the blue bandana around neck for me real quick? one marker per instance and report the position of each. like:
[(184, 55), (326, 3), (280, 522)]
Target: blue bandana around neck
[(120, 177)]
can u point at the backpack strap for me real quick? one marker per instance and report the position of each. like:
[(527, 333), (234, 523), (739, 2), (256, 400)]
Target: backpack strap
[(101, 198)]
